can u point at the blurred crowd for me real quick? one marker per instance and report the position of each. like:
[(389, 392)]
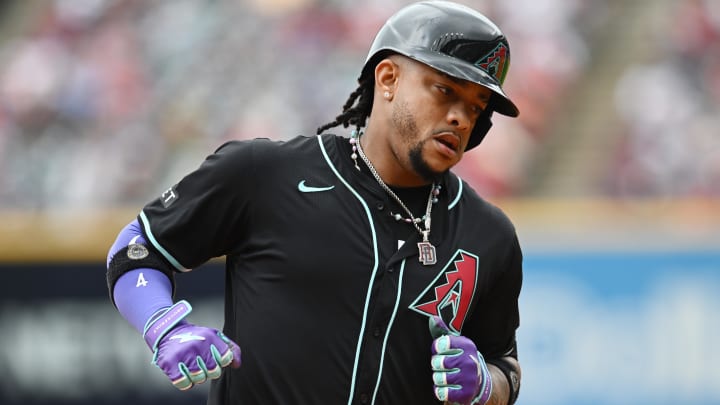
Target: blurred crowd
[(106, 103), (670, 110)]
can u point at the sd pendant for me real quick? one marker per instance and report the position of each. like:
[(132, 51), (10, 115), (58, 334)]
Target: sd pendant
[(426, 252)]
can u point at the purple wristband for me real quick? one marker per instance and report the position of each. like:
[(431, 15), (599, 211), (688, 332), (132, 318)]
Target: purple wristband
[(162, 322), (486, 384), (141, 293)]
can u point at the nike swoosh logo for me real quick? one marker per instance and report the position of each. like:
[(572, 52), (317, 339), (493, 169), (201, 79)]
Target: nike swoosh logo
[(309, 189)]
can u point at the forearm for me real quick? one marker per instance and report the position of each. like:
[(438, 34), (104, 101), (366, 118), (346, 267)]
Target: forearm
[(501, 391), (140, 293)]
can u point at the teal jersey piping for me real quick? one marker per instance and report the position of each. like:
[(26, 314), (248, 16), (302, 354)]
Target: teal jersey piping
[(165, 253), (387, 333), (459, 193), (374, 271)]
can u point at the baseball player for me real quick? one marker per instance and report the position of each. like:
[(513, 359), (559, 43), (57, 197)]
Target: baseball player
[(359, 268)]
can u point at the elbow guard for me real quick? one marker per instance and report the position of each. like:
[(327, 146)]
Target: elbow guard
[(509, 366), (131, 251)]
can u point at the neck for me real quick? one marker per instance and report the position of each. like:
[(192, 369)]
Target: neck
[(393, 171)]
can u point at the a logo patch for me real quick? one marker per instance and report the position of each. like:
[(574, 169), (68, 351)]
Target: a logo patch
[(451, 292), (168, 197), (495, 62), (310, 189), (186, 337), (137, 251)]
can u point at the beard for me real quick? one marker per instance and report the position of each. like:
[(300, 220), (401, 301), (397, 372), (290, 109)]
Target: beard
[(420, 165), (405, 124)]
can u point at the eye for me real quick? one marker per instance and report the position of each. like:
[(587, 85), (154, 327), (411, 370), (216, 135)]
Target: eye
[(444, 89)]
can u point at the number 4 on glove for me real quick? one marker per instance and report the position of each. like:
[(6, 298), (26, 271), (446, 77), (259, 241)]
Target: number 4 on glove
[(460, 375)]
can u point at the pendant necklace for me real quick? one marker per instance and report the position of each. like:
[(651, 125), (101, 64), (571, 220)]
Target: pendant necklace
[(426, 250)]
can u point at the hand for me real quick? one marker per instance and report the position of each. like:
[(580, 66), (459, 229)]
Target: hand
[(460, 374), (186, 353)]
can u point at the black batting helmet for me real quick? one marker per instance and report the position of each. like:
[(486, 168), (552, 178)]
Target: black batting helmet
[(455, 40)]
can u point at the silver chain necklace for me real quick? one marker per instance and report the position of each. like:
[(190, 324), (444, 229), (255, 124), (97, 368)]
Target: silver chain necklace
[(426, 250)]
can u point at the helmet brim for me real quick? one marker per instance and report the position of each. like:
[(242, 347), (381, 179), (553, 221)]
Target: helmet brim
[(454, 67), (461, 69)]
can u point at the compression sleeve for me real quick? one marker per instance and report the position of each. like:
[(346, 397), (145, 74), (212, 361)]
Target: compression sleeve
[(126, 235), (138, 291)]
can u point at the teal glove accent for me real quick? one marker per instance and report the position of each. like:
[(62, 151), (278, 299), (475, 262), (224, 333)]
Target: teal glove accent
[(186, 353), (460, 374)]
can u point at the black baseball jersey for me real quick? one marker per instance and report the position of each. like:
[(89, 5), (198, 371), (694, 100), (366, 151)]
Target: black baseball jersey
[(324, 290)]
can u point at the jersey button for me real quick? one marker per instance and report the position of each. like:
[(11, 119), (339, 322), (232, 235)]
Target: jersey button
[(377, 332), (364, 398), (380, 206)]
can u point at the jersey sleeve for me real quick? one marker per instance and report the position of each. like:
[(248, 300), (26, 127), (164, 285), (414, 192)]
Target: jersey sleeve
[(496, 317), (202, 216)]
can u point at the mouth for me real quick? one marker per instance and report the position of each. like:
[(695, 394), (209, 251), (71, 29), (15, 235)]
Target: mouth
[(449, 141)]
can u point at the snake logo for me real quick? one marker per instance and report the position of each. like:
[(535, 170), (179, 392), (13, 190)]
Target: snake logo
[(495, 62), (451, 292)]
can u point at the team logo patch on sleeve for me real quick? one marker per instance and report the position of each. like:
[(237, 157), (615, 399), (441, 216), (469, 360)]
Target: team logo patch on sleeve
[(169, 196), (451, 292)]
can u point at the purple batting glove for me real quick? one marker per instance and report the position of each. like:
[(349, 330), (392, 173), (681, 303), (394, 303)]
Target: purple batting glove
[(186, 353), (460, 375)]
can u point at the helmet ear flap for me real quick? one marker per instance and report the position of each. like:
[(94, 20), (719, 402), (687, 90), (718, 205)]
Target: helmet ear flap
[(482, 126)]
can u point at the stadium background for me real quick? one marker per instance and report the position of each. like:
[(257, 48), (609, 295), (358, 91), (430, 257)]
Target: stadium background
[(611, 174)]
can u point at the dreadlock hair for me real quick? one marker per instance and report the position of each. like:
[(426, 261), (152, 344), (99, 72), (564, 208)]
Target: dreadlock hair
[(355, 113)]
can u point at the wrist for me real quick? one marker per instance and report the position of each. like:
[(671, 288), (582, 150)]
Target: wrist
[(506, 373), (485, 385), (165, 320)]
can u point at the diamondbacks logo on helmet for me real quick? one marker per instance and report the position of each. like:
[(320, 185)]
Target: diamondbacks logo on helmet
[(451, 292), (495, 62)]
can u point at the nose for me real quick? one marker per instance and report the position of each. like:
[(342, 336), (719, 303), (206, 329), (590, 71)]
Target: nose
[(460, 116)]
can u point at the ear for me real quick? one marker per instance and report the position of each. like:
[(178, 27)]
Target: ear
[(386, 77)]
